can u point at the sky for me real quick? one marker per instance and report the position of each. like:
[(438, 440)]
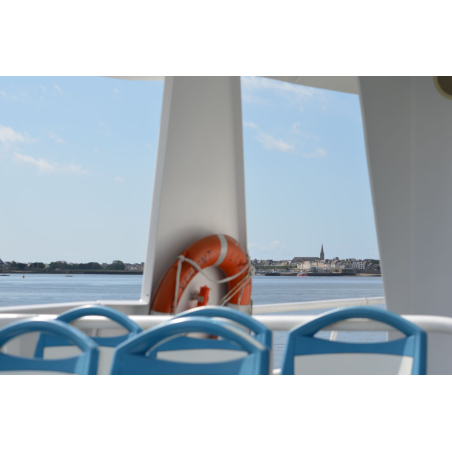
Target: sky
[(77, 162)]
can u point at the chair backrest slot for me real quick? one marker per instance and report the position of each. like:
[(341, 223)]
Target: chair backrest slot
[(237, 353), (85, 363), (50, 347), (306, 354)]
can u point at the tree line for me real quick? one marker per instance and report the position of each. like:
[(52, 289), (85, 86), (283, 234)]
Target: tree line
[(63, 265)]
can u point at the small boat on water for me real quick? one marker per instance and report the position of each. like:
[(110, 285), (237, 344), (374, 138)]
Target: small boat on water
[(68, 276), (302, 274), (4, 275)]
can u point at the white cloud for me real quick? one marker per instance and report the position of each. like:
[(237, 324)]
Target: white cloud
[(294, 95), (7, 96), (274, 144), (55, 138), (46, 166), (252, 99), (251, 125), (149, 145), (59, 89), (277, 244), (9, 136), (43, 88), (116, 91), (318, 153), (119, 179), (269, 142), (72, 168), (41, 164), (296, 130), (253, 84)]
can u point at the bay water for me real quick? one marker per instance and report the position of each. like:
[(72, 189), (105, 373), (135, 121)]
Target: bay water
[(44, 289)]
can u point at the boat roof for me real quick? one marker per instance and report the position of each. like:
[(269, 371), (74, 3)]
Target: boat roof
[(345, 84)]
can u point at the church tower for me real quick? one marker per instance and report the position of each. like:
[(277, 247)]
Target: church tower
[(322, 254)]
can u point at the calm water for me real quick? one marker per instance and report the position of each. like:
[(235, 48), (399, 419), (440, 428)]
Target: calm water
[(38, 289)]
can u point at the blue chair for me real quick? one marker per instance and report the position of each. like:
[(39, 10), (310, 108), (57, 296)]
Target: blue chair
[(306, 354), (135, 356), (83, 364), (261, 332), (56, 347)]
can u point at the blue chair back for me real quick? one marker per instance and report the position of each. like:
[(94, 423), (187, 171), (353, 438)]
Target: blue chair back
[(306, 354), (83, 364), (52, 346), (261, 332), (135, 357)]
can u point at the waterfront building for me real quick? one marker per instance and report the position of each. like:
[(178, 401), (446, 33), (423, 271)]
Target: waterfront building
[(358, 265)]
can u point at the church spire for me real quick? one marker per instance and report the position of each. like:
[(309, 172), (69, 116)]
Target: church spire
[(322, 254)]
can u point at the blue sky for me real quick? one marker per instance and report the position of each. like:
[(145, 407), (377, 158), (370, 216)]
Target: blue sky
[(77, 159)]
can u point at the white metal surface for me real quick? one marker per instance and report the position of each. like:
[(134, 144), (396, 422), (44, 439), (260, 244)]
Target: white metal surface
[(409, 138), (353, 364), (128, 307), (104, 360), (199, 186), (309, 305), (201, 355), (430, 323)]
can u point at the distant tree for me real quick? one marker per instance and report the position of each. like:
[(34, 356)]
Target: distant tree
[(21, 266), (116, 265), (90, 266), (62, 265)]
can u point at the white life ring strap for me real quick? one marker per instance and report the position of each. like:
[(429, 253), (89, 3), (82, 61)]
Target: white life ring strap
[(224, 250)]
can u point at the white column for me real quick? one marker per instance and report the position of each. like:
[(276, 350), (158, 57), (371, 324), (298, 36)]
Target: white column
[(199, 186), (408, 129)]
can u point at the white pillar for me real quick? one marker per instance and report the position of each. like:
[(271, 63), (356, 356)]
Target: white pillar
[(199, 186), (408, 129)]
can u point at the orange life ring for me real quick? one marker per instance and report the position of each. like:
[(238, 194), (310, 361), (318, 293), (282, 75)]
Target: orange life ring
[(219, 251)]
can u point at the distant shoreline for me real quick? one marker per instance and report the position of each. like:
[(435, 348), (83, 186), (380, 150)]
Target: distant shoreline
[(321, 274), (73, 272), (125, 272)]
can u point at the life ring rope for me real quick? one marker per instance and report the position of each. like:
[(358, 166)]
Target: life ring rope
[(241, 286), (216, 250)]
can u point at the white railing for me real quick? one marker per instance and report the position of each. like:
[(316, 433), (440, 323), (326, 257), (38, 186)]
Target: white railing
[(429, 323), (311, 305)]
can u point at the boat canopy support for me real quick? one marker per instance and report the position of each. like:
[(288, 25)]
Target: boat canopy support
[(199, 186), (408, 132)]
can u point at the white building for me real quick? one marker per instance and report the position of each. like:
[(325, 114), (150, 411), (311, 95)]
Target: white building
[(359, 265)]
